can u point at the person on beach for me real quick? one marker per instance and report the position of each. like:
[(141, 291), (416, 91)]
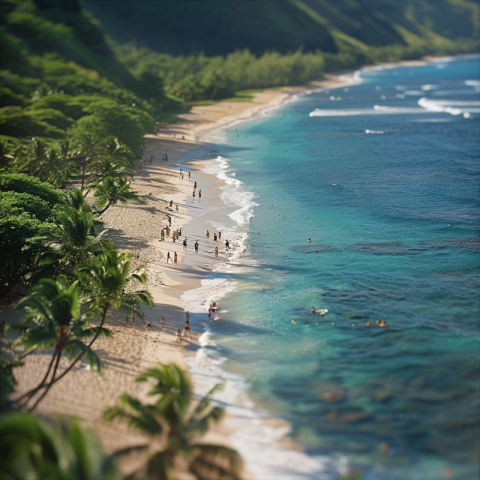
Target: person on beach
[(188, 174), (185, 245), (171, 203), (187, 316), (216, 251), (182, 177), (210, 310), (215, 236), (196, 247), (186, 329), (219, 235), (195, 185), (175, 259), (199, 194), (227, 245), (162, 322), (179, 337), (193, 194), (169, 257), (214, 309), (208, 234), (176, 206)]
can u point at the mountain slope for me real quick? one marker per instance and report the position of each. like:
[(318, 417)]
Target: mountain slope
[(220, 26)]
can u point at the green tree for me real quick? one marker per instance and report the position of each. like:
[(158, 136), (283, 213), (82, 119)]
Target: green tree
[(107, 281), (74, 236), (20, 244), (23, 183), (53, 319), (111, 191), (30, 450), (88, 147), (176, 424)]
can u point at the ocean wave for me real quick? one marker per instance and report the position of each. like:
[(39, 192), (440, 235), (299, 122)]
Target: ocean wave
[(450, 106)]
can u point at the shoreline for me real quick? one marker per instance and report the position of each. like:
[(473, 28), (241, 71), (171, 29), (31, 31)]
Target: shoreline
[(136, 229)]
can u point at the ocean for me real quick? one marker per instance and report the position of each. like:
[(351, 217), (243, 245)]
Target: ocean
[(383, 176)]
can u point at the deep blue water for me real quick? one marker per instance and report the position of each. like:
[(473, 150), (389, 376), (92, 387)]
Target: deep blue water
[(394, 220)]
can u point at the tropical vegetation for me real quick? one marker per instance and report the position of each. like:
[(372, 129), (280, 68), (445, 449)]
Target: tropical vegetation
[(174, 425)]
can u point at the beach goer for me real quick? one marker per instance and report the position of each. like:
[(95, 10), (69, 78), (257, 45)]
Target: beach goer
[(210, 310), (175, 259), (214, 309), (196, 247), (182, 177), (215, 236), (171, 203), (193, 194), (186, 329), (195, 185), (162, 322), (188, 174), (169, 257), (208, 234), (187, 316), (368, 323), (185, 244), (216, 251), (227, 245), (309, 239), (312, 310), (219, 235), (200, 194), (179, 337)]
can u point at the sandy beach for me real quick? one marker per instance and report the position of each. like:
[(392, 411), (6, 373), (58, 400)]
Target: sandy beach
[(136, 229)]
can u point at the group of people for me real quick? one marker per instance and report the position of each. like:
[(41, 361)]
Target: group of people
[(218, 237), (322, 312)]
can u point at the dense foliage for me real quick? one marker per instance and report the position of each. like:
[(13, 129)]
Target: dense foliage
[(218, 27)]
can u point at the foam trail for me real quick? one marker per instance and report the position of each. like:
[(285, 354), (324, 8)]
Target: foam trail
[(376, 110), (450, 106)]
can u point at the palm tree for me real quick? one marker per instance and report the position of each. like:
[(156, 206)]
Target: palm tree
[(30, 450), (177, 424), (53, 319), (116, 150), (107, 282), (48, 164), (57, 169), (104, 167), (75, 236), (111, 191), (88, 147)]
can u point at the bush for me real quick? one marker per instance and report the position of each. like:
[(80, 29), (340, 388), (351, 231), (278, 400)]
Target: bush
[(23, 183), (14, 204)]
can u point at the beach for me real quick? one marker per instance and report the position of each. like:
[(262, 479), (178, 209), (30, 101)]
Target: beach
[(273, 369), (136, 229)]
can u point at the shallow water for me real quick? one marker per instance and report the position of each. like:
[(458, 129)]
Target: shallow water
[(384, 177)]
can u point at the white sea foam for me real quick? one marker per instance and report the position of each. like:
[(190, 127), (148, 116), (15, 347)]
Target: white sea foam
[(376, 110), (257, 442), (473, 83), (450, 106), (374, 132)]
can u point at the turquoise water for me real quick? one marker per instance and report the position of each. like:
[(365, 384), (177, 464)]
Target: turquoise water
[(393, 218)]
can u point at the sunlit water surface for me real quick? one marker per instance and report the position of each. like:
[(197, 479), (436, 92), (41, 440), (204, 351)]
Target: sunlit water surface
[(383, 176)]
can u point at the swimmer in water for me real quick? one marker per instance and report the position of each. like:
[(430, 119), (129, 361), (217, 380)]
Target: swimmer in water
[(309, 239), (312, 310)]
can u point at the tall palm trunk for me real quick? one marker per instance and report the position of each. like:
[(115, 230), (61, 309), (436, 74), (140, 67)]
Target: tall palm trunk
[(55, 380), (59, 356), (32, 392)]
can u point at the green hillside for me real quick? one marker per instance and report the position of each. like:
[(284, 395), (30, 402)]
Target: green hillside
[(217, 27)]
